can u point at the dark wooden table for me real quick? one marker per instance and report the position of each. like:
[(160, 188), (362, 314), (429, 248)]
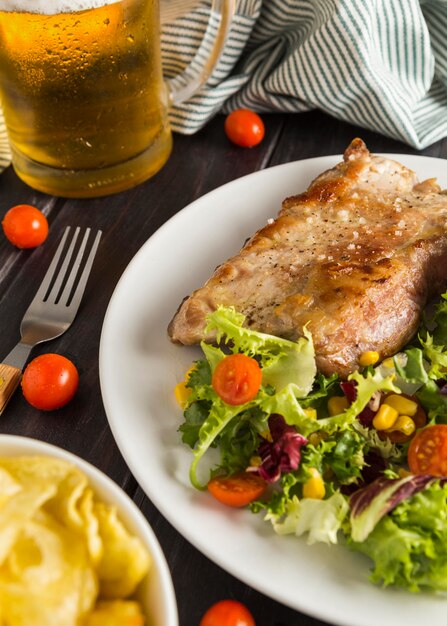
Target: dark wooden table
[(198, 164)]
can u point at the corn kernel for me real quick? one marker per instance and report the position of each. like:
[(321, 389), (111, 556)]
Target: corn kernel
[(317, 437), (182, 393), (403, 473), (314, 438), (312, 413), (314, 486), (255, 461), (404, 424), (388, 363), (370, 357), (404, 406), (385, 417), (337, 404)]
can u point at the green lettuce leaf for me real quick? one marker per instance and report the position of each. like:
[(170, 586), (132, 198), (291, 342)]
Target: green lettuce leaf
[(408, 546), (346, 459), (440, 322), (195, 414), (213, 356), (219, 416), (436, 355), (434, 402), (239, 440), (413, 370)]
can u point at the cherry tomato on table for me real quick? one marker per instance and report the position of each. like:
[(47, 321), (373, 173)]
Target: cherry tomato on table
[(50, 381), (228, 613), (237, 379), (244, 128), (25, 226), (427, 453), (237, 490)]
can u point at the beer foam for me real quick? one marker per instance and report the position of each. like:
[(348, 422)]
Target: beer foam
[(52, 7)]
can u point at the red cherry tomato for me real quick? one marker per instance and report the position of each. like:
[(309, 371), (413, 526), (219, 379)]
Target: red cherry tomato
[(228, 613), (50, 381), (244, 128), (236, 379), (237, 490), (25, 226), (427, 453)]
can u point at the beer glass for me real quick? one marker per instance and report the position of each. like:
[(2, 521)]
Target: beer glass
[(84, 99)]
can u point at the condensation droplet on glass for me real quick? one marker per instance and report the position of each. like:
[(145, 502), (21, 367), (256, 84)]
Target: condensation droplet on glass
[(84, 142)]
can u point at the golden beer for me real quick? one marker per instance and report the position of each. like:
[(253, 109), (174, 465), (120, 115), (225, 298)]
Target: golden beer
[(83, 94)]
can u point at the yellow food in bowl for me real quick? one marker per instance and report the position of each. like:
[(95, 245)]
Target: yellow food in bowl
[(65, 557)]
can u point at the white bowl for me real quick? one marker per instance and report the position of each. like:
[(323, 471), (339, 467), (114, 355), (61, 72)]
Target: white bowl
[(156, 591)]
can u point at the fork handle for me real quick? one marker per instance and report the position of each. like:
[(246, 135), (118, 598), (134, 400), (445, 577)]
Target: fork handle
[(9, 380), (11, 372)]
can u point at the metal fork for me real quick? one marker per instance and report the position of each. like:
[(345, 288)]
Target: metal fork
[(53, 308)]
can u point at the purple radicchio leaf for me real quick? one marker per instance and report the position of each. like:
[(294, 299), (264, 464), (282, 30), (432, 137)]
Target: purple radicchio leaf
[(370, 504), (366, 416), (405, 488), (349, 389), (283, 453)]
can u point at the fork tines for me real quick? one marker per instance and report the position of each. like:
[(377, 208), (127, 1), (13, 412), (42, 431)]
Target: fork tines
[(66, 278)]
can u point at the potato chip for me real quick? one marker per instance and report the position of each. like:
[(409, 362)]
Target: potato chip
[(56, 542), (125, 561), (47, 578), (65, 503), (17, 511), (91, 526), (73, 505), (116, 613)]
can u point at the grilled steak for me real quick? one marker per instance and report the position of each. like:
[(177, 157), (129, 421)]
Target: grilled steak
[(356, 257)]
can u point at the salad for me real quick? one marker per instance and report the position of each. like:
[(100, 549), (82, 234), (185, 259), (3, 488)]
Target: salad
[(362, 460)]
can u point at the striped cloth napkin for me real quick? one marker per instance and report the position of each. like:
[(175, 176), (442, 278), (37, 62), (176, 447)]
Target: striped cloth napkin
[(379, 64)]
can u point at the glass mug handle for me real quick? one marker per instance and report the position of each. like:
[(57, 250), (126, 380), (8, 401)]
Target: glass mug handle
[(188, 82)]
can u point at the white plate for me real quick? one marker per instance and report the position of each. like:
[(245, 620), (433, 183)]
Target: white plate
[(139, 368)]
